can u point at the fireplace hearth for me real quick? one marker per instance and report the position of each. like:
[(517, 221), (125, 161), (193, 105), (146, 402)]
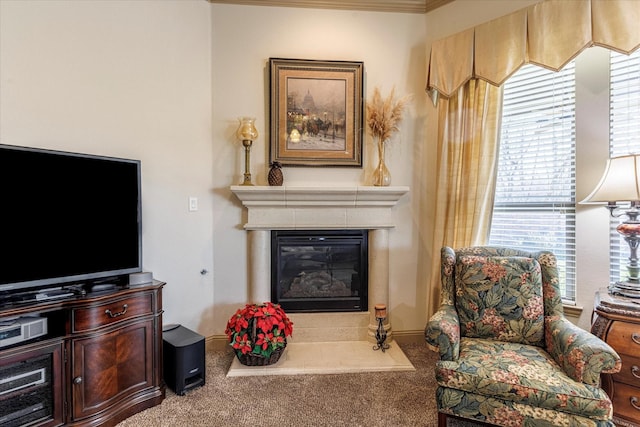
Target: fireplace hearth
[(319, 270)]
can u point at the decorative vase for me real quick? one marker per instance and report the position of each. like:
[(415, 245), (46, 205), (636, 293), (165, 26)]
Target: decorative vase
[(381, 176), (275, 177)]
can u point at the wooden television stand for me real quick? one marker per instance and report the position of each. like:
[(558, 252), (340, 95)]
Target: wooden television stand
[(99, 362)]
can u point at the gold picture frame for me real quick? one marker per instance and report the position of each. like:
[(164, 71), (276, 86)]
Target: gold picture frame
[(316, 112)]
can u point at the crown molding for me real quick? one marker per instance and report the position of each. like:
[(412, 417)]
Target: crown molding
[(401, 6)]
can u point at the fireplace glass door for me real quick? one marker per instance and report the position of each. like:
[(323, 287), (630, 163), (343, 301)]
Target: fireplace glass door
[(319, 270)]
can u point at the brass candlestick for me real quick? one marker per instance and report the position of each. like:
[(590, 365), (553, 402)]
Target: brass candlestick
[(246, 143), (248, 133)]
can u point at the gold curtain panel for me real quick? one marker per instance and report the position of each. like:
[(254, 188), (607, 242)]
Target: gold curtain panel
[(550, 34)]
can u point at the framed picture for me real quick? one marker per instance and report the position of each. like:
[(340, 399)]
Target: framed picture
[(316, 112)]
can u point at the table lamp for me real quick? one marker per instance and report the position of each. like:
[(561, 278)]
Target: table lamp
[(619, 188)]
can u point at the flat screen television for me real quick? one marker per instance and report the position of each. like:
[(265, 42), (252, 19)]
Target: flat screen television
[(67, 218)]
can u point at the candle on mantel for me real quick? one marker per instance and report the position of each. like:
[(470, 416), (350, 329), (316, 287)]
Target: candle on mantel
[(381, 311)]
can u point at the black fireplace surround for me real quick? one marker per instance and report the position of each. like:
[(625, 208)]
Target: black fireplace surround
[(319, 270)]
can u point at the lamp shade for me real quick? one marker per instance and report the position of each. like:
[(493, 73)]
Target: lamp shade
[(620, 182)]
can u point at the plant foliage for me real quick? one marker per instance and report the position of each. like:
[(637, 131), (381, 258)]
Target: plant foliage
[(258, 329), (384, 115)]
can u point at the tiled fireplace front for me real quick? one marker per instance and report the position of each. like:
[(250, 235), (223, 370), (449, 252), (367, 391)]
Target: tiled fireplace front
[(321, 208)]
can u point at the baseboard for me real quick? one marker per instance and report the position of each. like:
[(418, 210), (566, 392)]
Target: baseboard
[(216, 343), (409, 337)]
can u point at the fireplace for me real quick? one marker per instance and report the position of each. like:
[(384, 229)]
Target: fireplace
[(319, 270), (322, 208)]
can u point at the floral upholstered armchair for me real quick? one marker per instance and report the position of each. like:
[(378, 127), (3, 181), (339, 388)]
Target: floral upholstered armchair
[(508, 356)]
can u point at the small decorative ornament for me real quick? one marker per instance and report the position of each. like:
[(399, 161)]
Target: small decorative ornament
[(275, 177)]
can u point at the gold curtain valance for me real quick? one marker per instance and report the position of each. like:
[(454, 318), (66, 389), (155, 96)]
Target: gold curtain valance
[(549, 34)]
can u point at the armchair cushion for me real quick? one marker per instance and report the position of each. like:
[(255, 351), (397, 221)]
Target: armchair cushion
[(521, 374), (500, 297)]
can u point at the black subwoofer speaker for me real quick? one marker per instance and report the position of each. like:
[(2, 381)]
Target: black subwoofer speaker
[(183, 350)]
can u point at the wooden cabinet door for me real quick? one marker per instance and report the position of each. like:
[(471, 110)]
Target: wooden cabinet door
[(107, 368)]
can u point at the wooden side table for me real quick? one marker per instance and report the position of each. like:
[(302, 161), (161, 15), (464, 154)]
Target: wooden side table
[(616, 320)]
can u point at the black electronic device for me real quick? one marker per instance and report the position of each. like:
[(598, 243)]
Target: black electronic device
[(21, 329), (26, 392), (67, 218), (183, 352)]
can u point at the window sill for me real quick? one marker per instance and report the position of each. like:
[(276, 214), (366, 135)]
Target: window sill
[(572, 310)]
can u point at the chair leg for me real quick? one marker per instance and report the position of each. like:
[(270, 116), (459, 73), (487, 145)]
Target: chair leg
[(442, 419)]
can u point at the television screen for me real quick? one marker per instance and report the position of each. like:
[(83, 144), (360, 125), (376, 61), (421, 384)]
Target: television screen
[(67, 217)]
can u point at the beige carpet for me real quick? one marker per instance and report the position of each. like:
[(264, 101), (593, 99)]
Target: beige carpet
[(372, 399)]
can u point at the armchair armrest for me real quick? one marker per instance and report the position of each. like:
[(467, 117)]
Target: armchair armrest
[(443, 333), (582, 355)]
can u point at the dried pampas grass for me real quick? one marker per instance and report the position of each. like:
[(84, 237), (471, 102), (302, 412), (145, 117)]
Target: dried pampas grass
[(384, 115)]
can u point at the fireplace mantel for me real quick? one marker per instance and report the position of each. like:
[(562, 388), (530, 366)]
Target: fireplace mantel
[(297, 207)]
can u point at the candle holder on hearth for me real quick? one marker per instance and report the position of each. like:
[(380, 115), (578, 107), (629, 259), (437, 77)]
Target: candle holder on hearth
[(381, 334)]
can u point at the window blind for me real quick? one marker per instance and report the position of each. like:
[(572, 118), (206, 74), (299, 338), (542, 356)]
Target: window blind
[(534, 206), (624, 138)]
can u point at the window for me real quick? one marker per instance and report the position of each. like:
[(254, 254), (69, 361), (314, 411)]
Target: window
[(534, 206), (624, 128)]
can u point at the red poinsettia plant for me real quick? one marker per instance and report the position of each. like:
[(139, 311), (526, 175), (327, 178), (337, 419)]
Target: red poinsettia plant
[(259, 329)]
